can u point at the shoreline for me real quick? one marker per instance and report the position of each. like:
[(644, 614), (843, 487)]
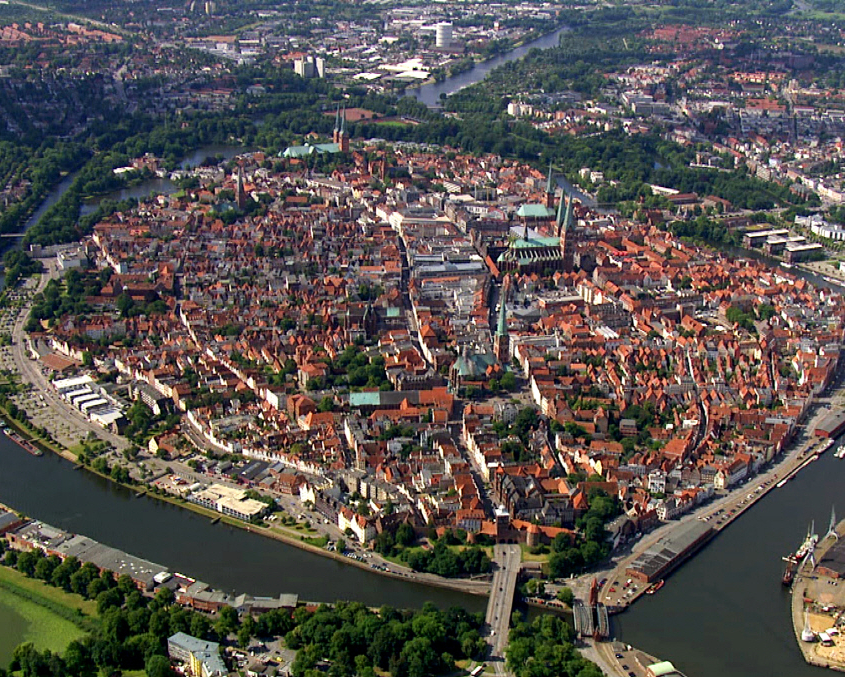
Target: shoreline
[(479, 62), (477, 588), (794, 459)]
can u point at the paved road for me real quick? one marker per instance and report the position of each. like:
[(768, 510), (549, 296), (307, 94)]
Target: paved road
[(30, 371), (506, 559)]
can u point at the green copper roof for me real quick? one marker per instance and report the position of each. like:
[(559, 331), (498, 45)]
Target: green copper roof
[(364, 399), (534, 211), (306, 150), (537, 241), (502, 328)]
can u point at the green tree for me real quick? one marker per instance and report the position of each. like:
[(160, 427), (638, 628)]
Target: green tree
[(158, 666), (566, 596)]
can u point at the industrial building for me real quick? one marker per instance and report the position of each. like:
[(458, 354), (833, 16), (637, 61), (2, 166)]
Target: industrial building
[(668, 552), (831, 425)]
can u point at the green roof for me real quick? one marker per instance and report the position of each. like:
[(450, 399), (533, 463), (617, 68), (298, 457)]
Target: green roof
[(536, 241), (534, 211), (662, 668), (371, 399), (306, 150)]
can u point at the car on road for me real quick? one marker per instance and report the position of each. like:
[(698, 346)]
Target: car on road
[(619, 655)]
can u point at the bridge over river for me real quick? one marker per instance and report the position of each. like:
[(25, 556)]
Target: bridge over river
[(506, 559)]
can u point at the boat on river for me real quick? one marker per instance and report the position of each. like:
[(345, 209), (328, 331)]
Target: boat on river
[(26, 444), (824, 447), (789, 572), (794, 560), (654, 588), (840, 452)]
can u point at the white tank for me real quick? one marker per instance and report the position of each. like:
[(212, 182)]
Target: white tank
[(443, 35)]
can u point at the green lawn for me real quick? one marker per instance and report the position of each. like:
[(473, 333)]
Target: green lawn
[(34, 623)]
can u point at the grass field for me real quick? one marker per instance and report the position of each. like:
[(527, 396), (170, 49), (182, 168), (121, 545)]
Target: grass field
[(32, 611), (12, 581), (31, 622)]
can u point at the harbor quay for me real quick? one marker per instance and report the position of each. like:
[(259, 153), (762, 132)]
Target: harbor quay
[(643, 570), (24, 534), (818, 600)]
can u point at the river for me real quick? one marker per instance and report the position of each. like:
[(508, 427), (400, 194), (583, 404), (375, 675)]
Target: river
[(725, 612), (430, 94), (48, 488)]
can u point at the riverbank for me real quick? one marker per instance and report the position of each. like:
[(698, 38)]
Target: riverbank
[(430, 94), (147, 490), (822, 268), (816, 604), (478, 588), (723, 512)]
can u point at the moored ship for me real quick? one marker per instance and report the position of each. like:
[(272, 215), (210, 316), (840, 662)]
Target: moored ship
[(26, 444), (824, 447), (789, 572), (654, 588), (793, 561)]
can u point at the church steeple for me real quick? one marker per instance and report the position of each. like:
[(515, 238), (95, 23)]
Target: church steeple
[(501, 341), (549, 197), (240, 192), (567, 236), (343, 139), (336, 131), (560, 219), (502, 325)]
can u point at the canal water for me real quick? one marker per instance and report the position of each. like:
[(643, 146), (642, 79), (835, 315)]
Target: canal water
[(15, 628), (725, 612), (430, 94), (228, 558), (162, 186)]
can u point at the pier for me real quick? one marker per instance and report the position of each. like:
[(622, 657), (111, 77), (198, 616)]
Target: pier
[(818, 601)]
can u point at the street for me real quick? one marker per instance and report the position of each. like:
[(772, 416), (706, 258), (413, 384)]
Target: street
[(507, 560)]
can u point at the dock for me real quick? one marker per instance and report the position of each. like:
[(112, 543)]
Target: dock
[(818, 598)]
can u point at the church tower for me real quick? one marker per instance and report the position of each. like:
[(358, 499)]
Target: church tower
[(336, 131), (342, 137), (501, 341), (240, 192), (549, 197), (566, 233)]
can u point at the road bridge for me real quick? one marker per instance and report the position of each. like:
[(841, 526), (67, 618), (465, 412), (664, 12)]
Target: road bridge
[(506, 562)]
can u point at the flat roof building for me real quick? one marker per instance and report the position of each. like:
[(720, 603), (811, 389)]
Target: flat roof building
[(202, 657), (831, 425), (669, 551)]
